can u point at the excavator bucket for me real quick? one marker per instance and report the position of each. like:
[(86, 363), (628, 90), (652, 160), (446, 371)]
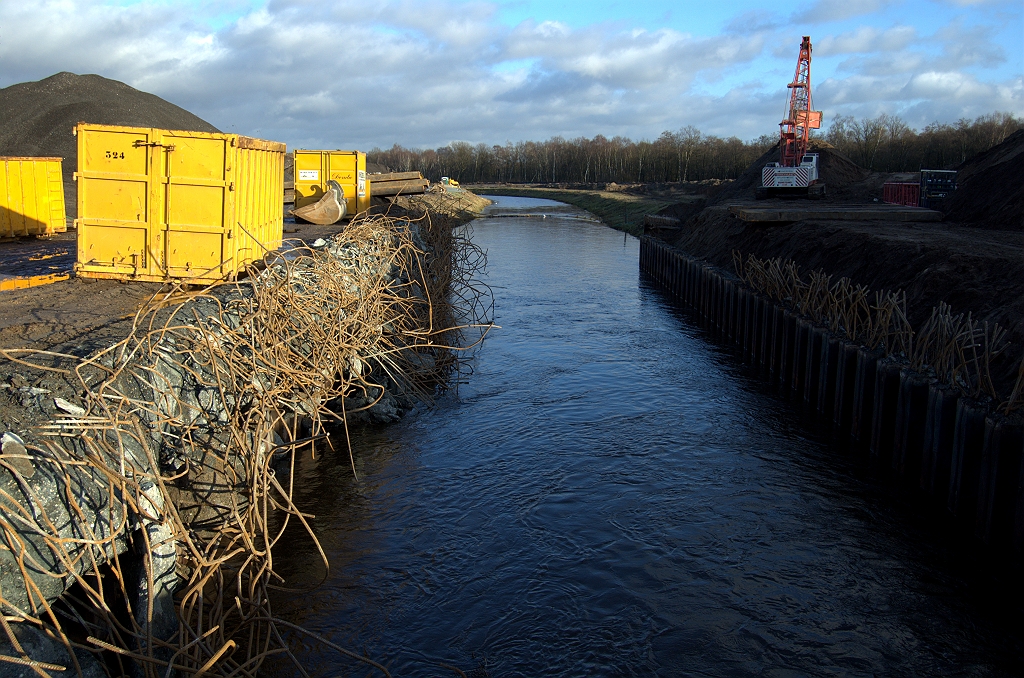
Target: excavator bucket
[(330, 209)]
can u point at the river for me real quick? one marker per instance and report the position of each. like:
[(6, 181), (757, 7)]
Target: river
[(611, 494)]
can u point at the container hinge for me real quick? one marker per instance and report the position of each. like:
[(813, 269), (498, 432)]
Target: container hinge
[(231, 186)]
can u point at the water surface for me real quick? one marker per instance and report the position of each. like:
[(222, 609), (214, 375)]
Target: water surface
[(609, 494)]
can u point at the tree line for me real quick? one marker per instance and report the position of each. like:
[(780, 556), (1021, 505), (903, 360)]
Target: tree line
[(885, 143)]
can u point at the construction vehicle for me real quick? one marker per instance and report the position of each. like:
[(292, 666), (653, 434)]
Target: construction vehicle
[(936, 186), (797, 172)]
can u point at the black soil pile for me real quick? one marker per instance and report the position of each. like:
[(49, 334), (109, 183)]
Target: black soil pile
[(38, 117), (990, 188)]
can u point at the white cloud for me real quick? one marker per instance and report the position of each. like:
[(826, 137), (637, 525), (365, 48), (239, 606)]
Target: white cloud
[(866, 39), (426, 72), (824, 11), (965, 46), (628, 59), (946, 85)]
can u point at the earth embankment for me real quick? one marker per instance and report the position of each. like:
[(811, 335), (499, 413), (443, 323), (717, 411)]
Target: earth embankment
[(973, 260)]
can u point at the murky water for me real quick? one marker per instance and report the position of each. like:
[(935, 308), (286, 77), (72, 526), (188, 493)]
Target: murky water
[(609, 494)]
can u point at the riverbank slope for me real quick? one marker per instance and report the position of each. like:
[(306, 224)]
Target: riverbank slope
[(972, 260)]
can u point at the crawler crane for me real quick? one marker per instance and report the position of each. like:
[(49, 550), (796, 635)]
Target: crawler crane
[(797, 173)]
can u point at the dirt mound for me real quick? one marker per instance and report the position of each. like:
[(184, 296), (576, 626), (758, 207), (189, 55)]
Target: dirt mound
[(844, 178), (990, 187), (39, 116)]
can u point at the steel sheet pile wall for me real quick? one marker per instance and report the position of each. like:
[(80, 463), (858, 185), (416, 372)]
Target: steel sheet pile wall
[(962, 457)]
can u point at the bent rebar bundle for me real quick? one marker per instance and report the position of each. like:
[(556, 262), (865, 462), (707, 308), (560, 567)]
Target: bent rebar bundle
[(138, 530)]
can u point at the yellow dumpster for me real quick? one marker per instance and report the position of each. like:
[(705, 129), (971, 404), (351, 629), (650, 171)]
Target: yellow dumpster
[(31, 197), (158, 204), (313, 169)]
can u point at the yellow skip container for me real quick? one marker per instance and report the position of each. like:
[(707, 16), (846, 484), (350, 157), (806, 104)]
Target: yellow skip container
[(31, 197), (160, 205), (313, 169)]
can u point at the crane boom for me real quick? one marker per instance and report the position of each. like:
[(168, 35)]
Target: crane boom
[(800, 119)]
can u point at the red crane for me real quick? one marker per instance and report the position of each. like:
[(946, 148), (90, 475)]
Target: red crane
[(800, 119), (797, 173)]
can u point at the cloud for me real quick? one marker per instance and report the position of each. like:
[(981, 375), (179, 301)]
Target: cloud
[(866, 39), (754, 21), (627, 59), (825, 11), (950, 86), (920, 98), (426, 72), (965, 45)]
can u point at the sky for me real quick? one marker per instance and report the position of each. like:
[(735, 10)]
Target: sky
[(424, 73)]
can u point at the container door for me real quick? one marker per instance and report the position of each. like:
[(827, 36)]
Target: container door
[(115, 203), (309, 177), (16, 214), (197, 205), (55, 193)]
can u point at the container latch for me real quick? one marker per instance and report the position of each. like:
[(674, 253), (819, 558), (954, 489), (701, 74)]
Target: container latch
[(140, 144)]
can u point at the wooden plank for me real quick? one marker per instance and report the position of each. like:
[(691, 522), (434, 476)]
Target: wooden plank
[(396, 187), (393, 176)]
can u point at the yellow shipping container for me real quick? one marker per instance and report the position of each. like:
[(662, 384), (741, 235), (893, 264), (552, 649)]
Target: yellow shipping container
[(159, 204), (31, 197), (313, 169)]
